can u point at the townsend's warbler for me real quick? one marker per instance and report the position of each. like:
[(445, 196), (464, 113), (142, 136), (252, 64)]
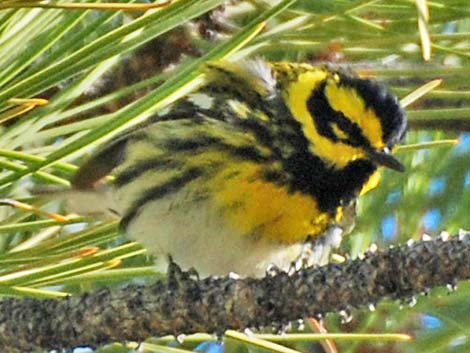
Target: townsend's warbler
[(239, 174)]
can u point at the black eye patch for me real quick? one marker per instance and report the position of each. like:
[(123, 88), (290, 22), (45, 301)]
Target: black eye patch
[(324, 117), (385, 105), (351, 129)]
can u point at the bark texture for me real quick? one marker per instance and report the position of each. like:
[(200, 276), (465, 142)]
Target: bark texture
[(185, 304)]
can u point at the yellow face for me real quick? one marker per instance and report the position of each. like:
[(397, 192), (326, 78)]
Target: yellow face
[(345, 118), (347, 101)]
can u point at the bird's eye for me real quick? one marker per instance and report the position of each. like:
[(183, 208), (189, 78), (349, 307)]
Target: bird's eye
[(347, 131), (339, 133)]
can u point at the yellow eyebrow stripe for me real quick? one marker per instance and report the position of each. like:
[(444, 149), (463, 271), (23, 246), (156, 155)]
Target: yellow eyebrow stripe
[(347, 101), (336, 153)]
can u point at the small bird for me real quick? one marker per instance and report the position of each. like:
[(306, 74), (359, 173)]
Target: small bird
[(240, 174)]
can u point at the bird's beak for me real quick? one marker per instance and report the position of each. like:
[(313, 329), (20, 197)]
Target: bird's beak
[(385, 158)]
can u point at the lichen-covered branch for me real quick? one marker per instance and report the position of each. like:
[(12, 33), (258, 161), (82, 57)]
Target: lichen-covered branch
[(185, 304)]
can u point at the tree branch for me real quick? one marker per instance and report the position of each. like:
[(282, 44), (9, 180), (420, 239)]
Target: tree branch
[(185, 304)]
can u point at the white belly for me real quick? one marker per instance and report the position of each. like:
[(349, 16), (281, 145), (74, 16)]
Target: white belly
[(194, 234)]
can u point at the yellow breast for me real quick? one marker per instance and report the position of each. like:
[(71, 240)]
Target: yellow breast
[(264, 210)]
